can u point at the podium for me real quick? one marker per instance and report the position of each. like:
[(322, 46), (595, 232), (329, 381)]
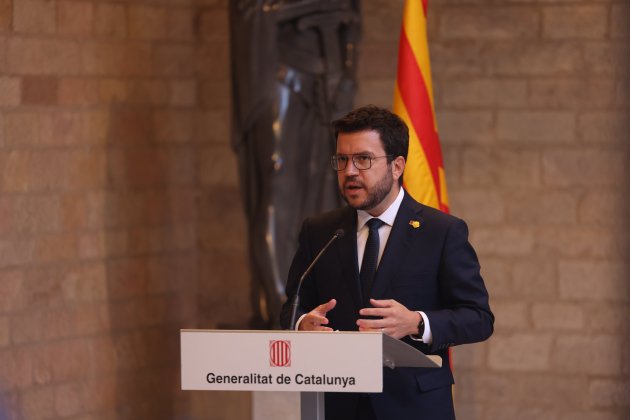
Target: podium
[(307, 362)]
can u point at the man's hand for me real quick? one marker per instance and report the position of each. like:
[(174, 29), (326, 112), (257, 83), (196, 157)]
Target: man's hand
[(316, 319), (396, 320)]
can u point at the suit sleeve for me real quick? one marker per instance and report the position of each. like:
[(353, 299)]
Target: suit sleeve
[(466, 316)]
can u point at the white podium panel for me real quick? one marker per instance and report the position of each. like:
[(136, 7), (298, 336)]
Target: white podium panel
[(281, 361)]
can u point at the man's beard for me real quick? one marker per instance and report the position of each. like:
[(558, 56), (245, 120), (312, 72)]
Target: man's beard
[(375, 195)]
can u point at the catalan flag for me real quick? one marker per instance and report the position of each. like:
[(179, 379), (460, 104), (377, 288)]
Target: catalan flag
[(424, 176)]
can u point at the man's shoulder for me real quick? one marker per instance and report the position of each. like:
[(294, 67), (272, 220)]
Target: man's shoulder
[(333, 218), (429, 213)]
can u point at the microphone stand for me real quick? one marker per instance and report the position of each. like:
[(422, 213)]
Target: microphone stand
[(296, 298)]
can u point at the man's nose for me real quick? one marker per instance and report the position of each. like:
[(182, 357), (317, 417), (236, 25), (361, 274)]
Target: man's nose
[(350, 169)]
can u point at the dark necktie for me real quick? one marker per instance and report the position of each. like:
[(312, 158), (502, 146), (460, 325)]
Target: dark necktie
[(370, 259)]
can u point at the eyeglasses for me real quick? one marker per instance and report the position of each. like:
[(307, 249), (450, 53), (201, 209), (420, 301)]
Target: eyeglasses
[(361, 161)]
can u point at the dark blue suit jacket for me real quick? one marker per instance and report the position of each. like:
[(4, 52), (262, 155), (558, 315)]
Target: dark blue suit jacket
[(432, 268)]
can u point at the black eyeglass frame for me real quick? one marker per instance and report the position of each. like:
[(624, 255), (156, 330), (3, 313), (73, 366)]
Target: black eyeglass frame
[(334, 162)]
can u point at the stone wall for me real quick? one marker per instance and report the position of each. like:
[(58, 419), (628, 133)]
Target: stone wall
[(532, 100), (120, 216)]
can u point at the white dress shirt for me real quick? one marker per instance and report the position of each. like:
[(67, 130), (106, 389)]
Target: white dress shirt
[(388, 217)]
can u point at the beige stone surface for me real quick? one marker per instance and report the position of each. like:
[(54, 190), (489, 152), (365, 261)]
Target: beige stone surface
[(470, 22), (34, 16), (575, 21), (121, 218)]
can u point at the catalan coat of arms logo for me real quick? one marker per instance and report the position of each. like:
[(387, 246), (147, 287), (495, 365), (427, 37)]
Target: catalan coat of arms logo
[(280, 353)]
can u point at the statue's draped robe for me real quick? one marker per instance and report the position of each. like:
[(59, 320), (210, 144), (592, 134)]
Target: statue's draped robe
[(293, 71)]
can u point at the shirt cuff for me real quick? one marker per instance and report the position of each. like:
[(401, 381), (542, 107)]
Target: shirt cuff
[(297, 323), (427, 337)]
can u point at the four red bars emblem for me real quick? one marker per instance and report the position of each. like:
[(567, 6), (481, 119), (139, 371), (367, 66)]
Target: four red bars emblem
[(280, 353)]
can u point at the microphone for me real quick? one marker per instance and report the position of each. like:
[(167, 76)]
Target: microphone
[(296, 298)]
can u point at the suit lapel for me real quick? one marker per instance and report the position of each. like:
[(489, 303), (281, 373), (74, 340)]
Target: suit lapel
[(398, 242), (348, 259)]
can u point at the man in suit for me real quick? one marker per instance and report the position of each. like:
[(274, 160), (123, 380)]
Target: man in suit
[(401, 268)]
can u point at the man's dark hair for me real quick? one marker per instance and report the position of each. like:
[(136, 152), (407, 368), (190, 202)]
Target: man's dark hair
[(392, 130)]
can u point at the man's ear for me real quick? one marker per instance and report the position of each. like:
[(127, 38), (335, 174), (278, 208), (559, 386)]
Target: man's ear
[(398, 167)]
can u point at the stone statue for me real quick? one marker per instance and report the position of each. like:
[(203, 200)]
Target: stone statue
[(293, 71)]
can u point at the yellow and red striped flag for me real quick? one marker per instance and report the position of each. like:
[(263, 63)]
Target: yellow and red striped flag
[(424, 176)]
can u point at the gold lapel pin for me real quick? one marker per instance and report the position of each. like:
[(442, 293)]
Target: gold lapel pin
[(414, 223)]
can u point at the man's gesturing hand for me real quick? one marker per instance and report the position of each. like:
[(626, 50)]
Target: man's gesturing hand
[(316, 319), (396, 320)]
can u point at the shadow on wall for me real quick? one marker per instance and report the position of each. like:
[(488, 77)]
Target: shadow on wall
[(625, 89), (626, 211), (147, 253)]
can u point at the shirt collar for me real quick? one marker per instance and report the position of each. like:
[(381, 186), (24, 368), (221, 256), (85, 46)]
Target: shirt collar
[(388, 216)]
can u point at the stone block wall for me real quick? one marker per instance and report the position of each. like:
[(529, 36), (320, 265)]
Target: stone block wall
[(121, 221), (532, 106), (120, 217)]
